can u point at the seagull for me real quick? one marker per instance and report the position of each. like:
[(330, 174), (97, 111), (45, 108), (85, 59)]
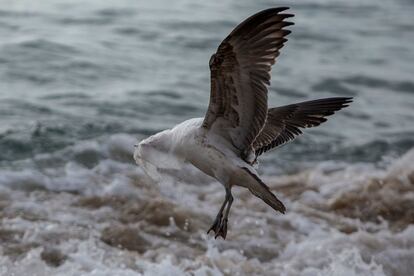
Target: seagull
[(238, 126)]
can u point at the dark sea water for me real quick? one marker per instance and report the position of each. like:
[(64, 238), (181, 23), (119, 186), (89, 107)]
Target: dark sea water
[(82, 81)]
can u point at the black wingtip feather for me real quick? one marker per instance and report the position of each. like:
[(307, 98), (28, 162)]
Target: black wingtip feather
[(288, 23), (287, 15), (280, 9)]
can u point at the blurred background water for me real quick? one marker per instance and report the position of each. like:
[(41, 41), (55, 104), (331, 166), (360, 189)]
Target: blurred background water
[(75, 70), (82, 81)]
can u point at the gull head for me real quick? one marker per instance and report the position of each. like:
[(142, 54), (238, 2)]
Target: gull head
[(152, 153), (145, 150), (145, 157)]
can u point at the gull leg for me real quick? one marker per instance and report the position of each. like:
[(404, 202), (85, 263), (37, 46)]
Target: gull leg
[(217, 222), (222, 231)]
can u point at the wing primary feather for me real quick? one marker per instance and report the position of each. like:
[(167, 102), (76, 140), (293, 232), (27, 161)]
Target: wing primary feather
[(285, 123)]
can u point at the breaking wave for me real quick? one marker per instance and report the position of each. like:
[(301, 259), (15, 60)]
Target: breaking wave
[(96, 213)]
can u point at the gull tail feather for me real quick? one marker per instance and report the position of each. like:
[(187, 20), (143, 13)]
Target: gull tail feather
[(262, 191)]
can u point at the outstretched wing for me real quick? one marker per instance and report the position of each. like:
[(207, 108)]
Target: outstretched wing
[(283, 123), (240, 74)]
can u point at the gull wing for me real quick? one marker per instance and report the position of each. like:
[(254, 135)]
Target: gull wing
[(240, 74), (283, 123)]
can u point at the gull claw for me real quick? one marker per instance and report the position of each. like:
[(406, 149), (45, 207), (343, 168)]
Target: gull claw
[(219, 228), (222, 231), (216, 225)]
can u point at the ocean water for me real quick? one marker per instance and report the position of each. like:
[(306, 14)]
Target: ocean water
[(82, 81)]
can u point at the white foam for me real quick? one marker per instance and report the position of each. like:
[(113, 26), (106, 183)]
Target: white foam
[(44, 206)]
